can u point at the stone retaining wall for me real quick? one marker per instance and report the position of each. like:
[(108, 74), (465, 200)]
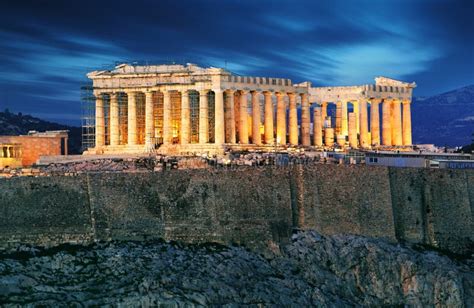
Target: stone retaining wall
[(257, 207)]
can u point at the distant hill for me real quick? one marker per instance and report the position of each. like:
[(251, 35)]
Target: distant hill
[(19, 124), (444, 119)]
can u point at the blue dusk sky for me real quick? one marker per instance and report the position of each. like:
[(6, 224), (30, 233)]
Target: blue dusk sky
[(47, 47)]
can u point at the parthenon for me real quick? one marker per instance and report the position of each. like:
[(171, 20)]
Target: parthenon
[(186, 108)]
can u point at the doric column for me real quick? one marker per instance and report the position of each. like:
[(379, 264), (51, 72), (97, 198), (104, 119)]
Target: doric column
[(397, 123), (406, 123), (338, 118), (386, 122), (114, 119), (344, 123), (305, 121), (324, 111), (243, 123), (317, 127), (268, 121), (352, 130), (219, 120), (363, 123), (375, 122), (132, 118), (99, 121), (167, 125), (281, 119), (230, 123), (149, 121), (185, 118), (355, 105), (203, 117), (293, 119), (256, 136), (329, 136)]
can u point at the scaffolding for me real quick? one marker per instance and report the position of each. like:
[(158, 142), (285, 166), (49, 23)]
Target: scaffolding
[(87, 116)]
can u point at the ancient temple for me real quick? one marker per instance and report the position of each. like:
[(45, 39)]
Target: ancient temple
[(187, 109)]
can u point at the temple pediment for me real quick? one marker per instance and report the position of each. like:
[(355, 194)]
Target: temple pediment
[(385, 81)]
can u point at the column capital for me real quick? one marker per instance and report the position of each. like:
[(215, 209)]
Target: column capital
[(254, 92), (375, 100), (229, 91), (217, 90), (291, 95), (243, 92), (280, 94), (406, 101), (267, 93), (304, 95), (203, 92)]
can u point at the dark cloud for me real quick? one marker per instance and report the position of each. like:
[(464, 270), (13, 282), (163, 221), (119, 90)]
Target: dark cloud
[(46, 47)]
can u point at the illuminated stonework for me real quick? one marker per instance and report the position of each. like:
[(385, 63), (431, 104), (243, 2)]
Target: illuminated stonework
[(187, 109)]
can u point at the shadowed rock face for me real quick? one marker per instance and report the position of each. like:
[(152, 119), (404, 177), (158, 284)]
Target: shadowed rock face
[(311, 270)]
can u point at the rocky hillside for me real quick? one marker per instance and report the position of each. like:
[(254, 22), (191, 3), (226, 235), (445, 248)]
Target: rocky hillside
[(19, 124), (444, 119), (313, 270)]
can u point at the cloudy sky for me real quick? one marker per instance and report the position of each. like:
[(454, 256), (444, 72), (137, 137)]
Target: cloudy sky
[(46, 47)]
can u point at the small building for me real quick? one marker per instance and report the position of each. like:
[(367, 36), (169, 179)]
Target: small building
[(455, 164), (27, 149), (411, 159)]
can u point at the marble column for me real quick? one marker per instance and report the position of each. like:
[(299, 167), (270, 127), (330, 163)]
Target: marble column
[(99, 121), (352, 131), (230, 124), (132, 118), (219, 120), (344, 119), (256, 120), (355, 106), (375, 122), (167, 125), (149, 121), (338, 118), (268, 121), (203, 117), (324, 111), (293, 120), (406, 122), (317, 127), (281, 119), (397, 123), (185, 118), (114, 119), (329, 136), (386, 122), (363, 124), (243, 123), (305, 121)]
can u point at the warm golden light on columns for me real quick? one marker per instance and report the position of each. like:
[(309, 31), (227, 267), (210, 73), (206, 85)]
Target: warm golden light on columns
[(219, 120), (324, 111), (167, 125), (305, 121), (406, 122), (352, 131), (317, 127), (344, 123), (281, 119), (243, 123), (375, 122), (329, 136), (185, 118), (363, 124), (355, 109), (99, 121), (386, 122), (132, 118), (397, 123), (149, 121), (268, 120), (338, 118), (256, 118), (230, 117), (293, 120), (114, 119), (203, 117)]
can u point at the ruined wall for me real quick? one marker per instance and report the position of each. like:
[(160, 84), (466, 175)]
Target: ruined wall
[(257, 207)]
